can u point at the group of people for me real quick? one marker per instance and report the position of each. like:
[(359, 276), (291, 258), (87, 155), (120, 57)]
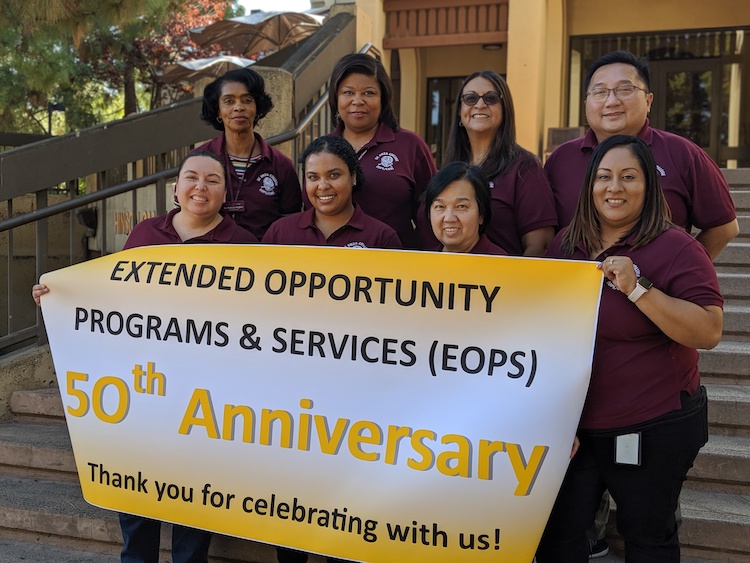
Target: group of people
[(625, 195)]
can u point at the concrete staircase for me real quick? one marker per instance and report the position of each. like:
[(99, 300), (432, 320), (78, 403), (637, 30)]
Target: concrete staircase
[(43, 517), (716, 497), (715, 500)]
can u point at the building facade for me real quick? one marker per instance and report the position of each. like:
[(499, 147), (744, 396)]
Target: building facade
[(699, 56)]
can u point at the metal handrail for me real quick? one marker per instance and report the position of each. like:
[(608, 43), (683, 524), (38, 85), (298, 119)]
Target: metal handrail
[(99, 195)]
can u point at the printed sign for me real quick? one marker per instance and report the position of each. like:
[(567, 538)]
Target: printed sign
[(372, 405)]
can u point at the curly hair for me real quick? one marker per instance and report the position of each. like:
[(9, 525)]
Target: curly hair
[(256, 86)]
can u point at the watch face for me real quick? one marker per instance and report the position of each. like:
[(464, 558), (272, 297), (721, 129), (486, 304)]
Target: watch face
[(645, 283)]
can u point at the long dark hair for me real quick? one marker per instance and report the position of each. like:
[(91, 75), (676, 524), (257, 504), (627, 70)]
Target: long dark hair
[(655, 216), (256, 86), (504, 150), (461, 171), (359, 63), (340, 147)]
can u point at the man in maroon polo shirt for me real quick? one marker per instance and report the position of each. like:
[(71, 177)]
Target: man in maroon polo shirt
[(618, 100)]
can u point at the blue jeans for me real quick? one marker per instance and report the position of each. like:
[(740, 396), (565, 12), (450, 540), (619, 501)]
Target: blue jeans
[(141, 541)]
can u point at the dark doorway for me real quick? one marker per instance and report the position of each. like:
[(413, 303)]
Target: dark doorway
[(441, 103), (687, 100)]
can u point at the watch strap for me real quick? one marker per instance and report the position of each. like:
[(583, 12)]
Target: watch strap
[(641, 287)]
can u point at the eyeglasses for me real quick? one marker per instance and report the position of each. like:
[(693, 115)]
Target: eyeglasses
[(621, 92), (490, 98)]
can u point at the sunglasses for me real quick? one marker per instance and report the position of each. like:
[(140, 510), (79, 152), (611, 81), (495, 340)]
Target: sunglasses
[(490, 98)]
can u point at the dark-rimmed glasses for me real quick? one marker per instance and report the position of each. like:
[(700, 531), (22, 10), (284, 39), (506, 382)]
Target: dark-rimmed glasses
[(490, 98)]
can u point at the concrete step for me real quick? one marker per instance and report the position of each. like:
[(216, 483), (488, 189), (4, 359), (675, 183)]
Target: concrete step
[(741, 196), (744, 221), (723, 465), (736, 318), (53, 512), (736, 253), (37, 551), (727, 363), (712, 522), (37, 450), (729, 409), (38, 405), (735, 285)]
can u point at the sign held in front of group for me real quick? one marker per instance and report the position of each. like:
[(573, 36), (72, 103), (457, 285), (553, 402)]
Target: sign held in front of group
[(371, 405)]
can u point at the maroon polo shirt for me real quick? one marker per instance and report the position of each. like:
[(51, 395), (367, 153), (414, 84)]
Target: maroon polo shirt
[(159, 230), (694, 186), (521, 202), (269, 189), (638, 372), (485, 246), (362, 231), (397, 166)]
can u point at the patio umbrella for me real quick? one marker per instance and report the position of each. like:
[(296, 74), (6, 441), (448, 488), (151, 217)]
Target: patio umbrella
[(212, 67), (261, 31)]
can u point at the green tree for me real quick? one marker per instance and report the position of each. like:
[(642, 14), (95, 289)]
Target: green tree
[(98, 57)]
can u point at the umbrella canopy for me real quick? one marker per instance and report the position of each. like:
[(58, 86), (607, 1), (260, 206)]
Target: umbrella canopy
[(212, 67), (261, 31)]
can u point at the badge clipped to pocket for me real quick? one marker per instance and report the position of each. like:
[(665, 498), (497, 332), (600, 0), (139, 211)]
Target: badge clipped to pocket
[(628, 449)]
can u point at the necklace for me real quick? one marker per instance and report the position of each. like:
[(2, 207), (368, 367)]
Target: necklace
[(359, 146)]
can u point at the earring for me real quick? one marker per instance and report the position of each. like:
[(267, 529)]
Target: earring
[(460, 123), (218, 118)]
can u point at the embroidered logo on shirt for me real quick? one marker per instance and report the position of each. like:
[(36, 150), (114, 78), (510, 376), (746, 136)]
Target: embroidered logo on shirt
[(387, 160), (355, 245), (661, 170), (612, 285), (268, 183)]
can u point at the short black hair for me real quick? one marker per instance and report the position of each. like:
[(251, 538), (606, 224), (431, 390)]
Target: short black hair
[(341, 148), (256, 86), (461, 171), (624, 57)]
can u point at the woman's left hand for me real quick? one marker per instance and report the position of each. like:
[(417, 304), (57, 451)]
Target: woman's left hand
[(619, 270)]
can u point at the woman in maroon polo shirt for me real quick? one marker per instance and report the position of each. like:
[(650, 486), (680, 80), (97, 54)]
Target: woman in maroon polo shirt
[(397, 163), (200, 191), (457, 205), (644, 419), (332, 176), (483, 133), (262, 183)]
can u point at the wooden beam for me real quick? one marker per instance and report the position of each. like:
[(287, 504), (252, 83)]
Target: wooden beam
[(445, 40)]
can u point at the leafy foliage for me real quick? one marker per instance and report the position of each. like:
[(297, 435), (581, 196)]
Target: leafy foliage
[(100, 58)]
